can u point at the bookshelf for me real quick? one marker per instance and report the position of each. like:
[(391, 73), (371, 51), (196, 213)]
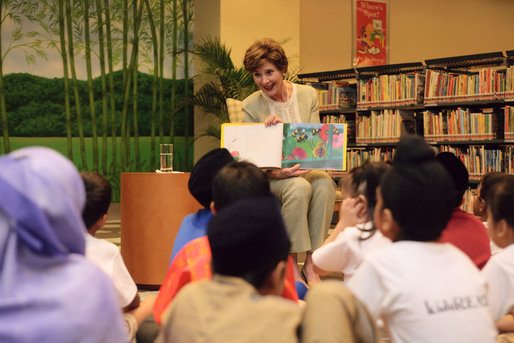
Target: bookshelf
[(463, 104), (394, 85), (337, 96)]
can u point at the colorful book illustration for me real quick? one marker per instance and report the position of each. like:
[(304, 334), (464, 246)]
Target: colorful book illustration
[(313, 146)]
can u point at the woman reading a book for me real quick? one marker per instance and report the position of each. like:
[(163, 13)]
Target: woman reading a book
[(307, 196)]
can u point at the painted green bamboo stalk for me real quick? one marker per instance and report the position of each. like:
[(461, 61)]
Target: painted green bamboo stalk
[(125, 39), (161, 72), (78, 109), (111, 85), (126, 70), (153, 153), (133, 69), (134, 100), (91, 92), (174, 70), (66, 81), (126, 87), (3, 109), (101, 56), (186, 21)]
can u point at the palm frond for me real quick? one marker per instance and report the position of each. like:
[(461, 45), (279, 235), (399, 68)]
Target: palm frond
[(213, 54), (213, 130)]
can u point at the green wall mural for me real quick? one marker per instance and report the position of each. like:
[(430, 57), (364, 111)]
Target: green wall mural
[(123, 87)]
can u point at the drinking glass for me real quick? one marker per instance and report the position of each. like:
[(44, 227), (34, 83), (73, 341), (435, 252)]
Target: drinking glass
[(166, 151)]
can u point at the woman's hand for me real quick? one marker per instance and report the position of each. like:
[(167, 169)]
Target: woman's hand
[(272, 120), (285, 173)]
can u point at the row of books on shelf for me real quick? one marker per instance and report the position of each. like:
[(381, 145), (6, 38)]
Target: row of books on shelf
[(509, 83), (469, 197), (357, 157), (459, 124), (429, 87), (442, 86), (480, 160), (395, 90), (335, 95), (385, 126), (342, 119), (508, 123)]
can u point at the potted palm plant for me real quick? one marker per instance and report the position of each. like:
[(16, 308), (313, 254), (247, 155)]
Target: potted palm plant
[(224, 80)]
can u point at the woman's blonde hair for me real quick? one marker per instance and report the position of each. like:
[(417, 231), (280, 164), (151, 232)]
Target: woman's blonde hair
[(265, 50)]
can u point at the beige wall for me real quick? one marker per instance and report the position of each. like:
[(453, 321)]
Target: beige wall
[(207, 22), (419, 30), (239, 24), (325, 35), (245, 21)]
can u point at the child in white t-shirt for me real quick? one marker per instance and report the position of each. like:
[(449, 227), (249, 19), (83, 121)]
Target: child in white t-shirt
[(355, 235), (107, 256), (499, 270), (424, 291)]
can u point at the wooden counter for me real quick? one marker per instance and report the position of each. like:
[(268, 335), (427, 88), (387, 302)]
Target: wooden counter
[(152, 208)]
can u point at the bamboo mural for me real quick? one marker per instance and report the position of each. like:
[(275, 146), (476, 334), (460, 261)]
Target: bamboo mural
[(91, 93), (19, 39), (187, 16), (155, 50), (112, 91), (161, 70), (101, 56), (78, 109), (64, 57), (95, 38), (137, 21), (174, 64), (3, 109)]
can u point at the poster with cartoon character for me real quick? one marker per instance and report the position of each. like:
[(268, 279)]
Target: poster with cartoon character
[(370, 35)]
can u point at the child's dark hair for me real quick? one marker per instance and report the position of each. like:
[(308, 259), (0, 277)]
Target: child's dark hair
[(238, 180), (488, 181), (500, 199), (365, 179), (458, 172), (248, 239), (415, 190), (98, 197)]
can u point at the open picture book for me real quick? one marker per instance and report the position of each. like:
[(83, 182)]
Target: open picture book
[(313, 146)]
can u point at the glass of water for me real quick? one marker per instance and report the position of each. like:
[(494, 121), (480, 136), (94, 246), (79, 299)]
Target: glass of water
[(166, 152)]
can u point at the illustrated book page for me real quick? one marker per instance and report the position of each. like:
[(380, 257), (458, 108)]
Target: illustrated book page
[(254, 143), (313, 146)]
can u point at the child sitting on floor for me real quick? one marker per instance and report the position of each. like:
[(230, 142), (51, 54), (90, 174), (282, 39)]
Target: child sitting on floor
[(241, 302), (463, 230), (106, 255), (499, 271), (480, 203), (194, 225), (49, 291), (355, 234), (423, 290), (235, 181)]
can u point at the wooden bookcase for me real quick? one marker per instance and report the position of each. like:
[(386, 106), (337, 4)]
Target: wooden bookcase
[(462, 104)]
